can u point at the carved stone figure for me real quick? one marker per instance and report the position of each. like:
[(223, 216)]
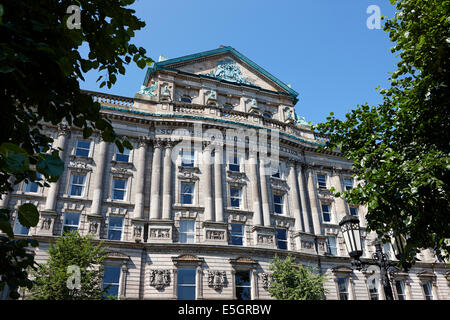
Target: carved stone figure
[(265, 279), (150, 90), (300, 120), (137, 231), (215, 235), (46, 223), (228, 70), (93, 226)]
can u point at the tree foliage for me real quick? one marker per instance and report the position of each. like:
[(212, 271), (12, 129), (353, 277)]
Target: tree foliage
[(400, 148), (55, 280), (291, 281), (40, 71)]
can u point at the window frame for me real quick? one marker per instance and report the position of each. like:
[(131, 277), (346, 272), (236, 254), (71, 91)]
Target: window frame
[(115, 228), (233, 198), (346, 185), (32, 183), (249, 286), (234, 165), (182, 194), (235, 235), (83, 186), (329, 246), (113, 188), (186, 233), (376, 294), (194, 285), (347, 288), (117, 153), (279, 205), (329, 212), (403, 288), (18, 224), (319, 186), (190, 163), (118, 284), (82, 148), (429, 285), (280, 240), (68, 225)]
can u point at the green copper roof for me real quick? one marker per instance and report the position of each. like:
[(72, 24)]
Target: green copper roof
[(164, 64)]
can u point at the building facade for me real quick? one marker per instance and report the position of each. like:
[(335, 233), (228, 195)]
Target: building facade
[(223, 176)]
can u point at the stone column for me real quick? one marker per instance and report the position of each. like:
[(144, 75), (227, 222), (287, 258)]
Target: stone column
[(63, 134), (156, 181), (294, 194), (96, 208), (140, 178), (167, 185), (218, 161), (303, 199), (264, 192), (312, 191), (341, 208), (207, 192), (253, 175)]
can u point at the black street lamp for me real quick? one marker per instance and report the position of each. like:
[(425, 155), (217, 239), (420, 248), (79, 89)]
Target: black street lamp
[(351, 231)]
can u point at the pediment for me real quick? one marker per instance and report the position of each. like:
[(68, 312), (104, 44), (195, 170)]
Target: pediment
[(229, 65)]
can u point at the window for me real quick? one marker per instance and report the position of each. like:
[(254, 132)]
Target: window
[(32, 187), (187, 231), (228, 106), (76, 186), (186, 99), (237, 234), (428, 293), (278, 204), (122, 156), (342, 288), (373, 288), (326, 213), (111, 280), (186, 284), (119, 189), (400, 287), (233, 163), (387, 250), (322, 180), (242, 285), (267, 115), (187, 158), (331, 244), (276, 172), (353, 211), (71, 221), (235, 197), (115, 228), (282, 242), (83, 148), (187, 193), (20, 229), (348, 183)]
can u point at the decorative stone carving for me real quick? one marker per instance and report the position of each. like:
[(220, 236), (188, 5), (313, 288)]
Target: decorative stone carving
[(300, 120), (266, 278), (265, 239), (79, 166), (150, 90), (93, 227), (159, 278), (46, 223), (228, 70), (217, 279), (137, 231), (307, 244), (121, 172), (159, 233), (215, 235), (63, 129)]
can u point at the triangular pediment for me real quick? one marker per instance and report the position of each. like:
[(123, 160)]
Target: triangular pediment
[(227, 64)]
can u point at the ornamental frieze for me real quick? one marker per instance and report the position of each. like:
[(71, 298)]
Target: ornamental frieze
[(159, 233), (215, 235), (266, 278)]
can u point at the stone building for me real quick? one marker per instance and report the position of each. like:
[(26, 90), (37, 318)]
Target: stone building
[(222, 177)]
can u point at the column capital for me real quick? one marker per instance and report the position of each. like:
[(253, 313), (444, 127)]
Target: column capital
[(143, 141), (63, 129)]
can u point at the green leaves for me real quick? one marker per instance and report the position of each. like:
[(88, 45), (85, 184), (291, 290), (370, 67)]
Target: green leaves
[(28, 215)]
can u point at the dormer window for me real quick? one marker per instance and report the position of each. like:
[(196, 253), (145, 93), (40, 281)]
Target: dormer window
[(186, 99), (267, 115), (228, 106)]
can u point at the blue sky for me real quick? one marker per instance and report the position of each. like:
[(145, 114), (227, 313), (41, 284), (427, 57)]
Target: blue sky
[(323, 48)]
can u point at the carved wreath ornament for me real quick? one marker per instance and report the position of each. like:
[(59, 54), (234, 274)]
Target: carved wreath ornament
[(217, 279)]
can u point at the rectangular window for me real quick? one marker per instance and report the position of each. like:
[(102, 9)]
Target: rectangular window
[(115, 228), (348, 183), (331, 244), (186, 284), (326, 213), (83, 148), (119, 189), (32, 187), (400, 287), (20, 229), (187, 158), (282, 239), (187, 193), (353, 211), (342, 288), (322, 180), (278, 204), (243, 285), (373, 289), (427, 291), (187, 231), (71, 221), (122, 156), (237, 234), (235, 197), (111, 281), (76, 186), (233, 163)]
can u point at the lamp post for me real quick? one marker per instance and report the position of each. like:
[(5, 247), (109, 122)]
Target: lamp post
[(350, 229)]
